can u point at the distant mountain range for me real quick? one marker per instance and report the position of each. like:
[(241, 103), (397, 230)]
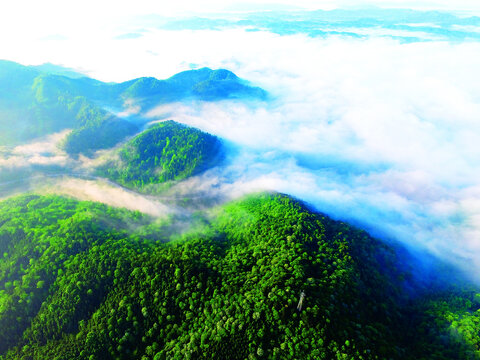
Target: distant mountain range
[(405, 25), (35, 101)]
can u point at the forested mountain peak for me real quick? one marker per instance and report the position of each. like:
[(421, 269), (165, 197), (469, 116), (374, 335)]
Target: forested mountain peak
[(166, 151), (263, 277)]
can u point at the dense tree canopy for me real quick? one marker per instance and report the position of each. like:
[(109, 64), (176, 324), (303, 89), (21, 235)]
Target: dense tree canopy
[(81, 280), (167, 151)]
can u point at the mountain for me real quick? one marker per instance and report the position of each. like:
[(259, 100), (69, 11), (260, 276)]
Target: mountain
[(34, 103), (81, 280), (202, 84), (166, 151)]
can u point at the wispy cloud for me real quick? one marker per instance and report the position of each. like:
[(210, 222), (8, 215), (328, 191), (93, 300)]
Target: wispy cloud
[(128, 36), (45, 151), (98, 190)]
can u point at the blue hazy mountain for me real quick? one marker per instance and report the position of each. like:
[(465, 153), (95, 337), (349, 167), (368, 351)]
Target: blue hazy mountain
[(203, 84), (406, 25), (34, 102)]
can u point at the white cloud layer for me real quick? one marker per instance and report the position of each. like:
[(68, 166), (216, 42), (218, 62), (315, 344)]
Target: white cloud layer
[(43, 151), (97, 190)]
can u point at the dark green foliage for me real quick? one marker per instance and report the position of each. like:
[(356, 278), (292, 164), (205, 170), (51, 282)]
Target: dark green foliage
[(167, 151), (81, 280), (447, 323), (90, 138), (39, 236)]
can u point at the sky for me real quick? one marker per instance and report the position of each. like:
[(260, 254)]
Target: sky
[(373, 122)]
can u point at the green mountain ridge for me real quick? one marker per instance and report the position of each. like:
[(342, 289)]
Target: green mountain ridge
[(81, 280), (165, 152), (35, 103)]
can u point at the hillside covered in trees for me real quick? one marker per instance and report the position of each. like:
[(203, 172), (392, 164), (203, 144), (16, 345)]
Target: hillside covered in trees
[(35, 102), (81, 280), (166, 151)]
